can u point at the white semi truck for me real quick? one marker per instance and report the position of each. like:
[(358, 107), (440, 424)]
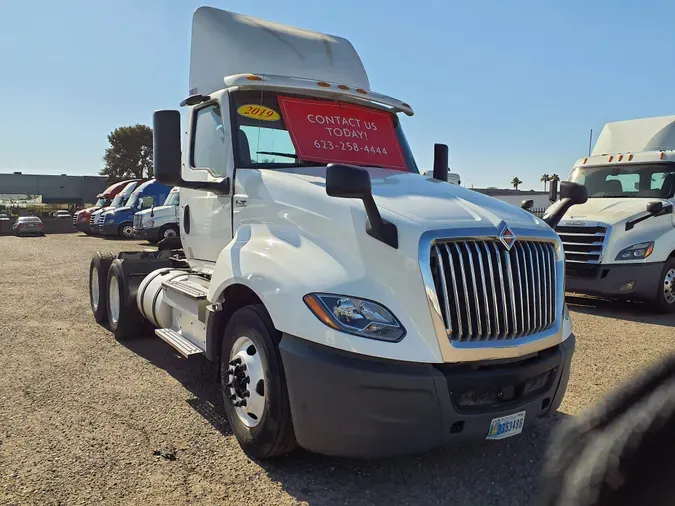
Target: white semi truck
[(352, 306), (621, 242), (161, 222)]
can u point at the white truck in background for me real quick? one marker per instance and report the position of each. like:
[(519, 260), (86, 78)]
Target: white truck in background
[(621, 242), (352, 306), (160, 222)]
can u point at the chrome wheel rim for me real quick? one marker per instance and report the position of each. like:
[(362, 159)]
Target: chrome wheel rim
[(93, 283), (128, 231), (169, 233), (114, 300), (669, 286), (246, 386)]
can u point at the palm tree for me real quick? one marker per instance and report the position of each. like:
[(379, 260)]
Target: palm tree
[(554, 177), (516, 182), (544, 179)]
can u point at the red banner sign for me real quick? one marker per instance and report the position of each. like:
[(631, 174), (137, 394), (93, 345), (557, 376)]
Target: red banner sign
[(328, 132)]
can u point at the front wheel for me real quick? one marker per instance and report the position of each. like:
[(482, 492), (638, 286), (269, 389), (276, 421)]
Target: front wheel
[(168, 232), (665, 297), (126, 230), (253, 385)]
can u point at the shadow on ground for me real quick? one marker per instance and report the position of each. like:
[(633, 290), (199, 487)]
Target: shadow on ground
[(495, 472), (633, 311)]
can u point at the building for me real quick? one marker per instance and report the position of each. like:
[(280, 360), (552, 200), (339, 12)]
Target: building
[(53, 189), (515, 197)]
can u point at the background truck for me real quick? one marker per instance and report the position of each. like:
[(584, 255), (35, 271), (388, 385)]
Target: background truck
[(159, 222), (120, 221), (350, 305), (81, 218), (621, 242), (120, 200)]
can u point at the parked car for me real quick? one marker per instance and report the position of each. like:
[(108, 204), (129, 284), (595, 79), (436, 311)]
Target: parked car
[(4, 217), (26, 225), (62, 214)]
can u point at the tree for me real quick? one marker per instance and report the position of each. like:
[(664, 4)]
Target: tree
[(130, 153), (544, 179), (554, 177), (516, 182)]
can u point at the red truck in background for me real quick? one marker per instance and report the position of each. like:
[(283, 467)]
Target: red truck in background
[(81, 218)]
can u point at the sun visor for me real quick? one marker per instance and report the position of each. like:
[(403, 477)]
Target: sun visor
[(225, 43), (634, 136)]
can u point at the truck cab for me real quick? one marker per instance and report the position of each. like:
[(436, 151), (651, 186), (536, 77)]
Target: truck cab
[(621, 242), (81, 218), (159, 222), (120, 200), (351, 305), (119, 221)]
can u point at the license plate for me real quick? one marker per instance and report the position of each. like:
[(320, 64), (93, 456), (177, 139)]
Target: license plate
[(506, 426)]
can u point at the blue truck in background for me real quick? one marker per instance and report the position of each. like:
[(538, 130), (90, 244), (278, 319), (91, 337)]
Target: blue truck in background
[(120, 221)]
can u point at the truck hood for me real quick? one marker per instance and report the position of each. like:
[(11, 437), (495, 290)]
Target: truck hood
[(120, 210), (608, 210), (431, 203), (157, 211)]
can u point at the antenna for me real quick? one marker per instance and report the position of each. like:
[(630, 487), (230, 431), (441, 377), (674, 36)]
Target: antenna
[(590, 141)]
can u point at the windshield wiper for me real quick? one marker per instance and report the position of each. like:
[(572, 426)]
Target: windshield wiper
[(276, 153)]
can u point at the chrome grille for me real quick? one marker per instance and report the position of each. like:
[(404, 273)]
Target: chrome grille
[(488, 293), (582, 244), (74, 219)]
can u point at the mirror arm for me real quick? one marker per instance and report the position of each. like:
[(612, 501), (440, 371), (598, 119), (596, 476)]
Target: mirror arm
[(378, 227), (556, 212), (221, 187), (667, 209)]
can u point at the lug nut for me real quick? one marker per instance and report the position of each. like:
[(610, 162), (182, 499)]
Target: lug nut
[(246, 394), (236, 361), (228, 385), (240, 404)]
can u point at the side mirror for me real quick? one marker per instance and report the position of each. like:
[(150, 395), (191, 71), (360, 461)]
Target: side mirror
[(167, 162), (441, 162), (570, 194), (349, 182), (553, 190), (527, 204), (654, 208), (576, 192)]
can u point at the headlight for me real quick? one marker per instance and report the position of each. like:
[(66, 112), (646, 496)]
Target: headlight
[(360, 317), (110, 219), (636, 251)]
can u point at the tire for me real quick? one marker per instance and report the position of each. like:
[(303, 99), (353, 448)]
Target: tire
[(168, 232), (665, 296), (270, 434), (124, 318), (100, 263), (126, 230)]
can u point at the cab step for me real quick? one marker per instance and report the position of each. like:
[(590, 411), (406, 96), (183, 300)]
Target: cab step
[(191, 290), (183, 346)]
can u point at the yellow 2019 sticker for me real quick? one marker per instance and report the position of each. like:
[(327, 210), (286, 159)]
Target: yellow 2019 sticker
[(260, 112)]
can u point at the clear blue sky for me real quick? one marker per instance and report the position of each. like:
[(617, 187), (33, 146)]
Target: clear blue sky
[(512, 87)]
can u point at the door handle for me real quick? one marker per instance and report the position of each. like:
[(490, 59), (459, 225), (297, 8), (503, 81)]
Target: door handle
[(186, 219)]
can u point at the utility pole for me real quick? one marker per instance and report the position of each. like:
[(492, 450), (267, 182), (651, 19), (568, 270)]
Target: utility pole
[(590, 141)]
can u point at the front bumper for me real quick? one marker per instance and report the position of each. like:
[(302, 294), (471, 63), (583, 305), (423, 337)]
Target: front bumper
[(108, 229), (149, 234), (607, 279), (350, 405), (82, 226)]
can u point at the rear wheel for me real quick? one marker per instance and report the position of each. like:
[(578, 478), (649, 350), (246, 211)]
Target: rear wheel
[(124, 318), (665, 297), (98, 273), (253, 385), (126, 230)]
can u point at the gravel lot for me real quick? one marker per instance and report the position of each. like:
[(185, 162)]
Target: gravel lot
[(83, 417)]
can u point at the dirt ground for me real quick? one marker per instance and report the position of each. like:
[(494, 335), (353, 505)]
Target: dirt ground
[(85, 419)]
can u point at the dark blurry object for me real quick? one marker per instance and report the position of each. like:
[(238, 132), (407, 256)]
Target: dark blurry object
[(621, 452)]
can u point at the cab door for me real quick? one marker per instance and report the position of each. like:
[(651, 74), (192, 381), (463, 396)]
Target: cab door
[(205, 218)]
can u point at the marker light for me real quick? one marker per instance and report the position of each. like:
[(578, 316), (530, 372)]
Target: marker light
[(362, 91), (611, 158), (323, 84), (630, 157), (343, 87), (585, 160), (620, 157), (662, 155), (254, 78)]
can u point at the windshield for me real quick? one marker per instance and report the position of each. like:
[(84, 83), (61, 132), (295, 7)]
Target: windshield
[(133, 199), (639, 180), (274, 130), (173, 199), (30, 219), (102, 202)]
